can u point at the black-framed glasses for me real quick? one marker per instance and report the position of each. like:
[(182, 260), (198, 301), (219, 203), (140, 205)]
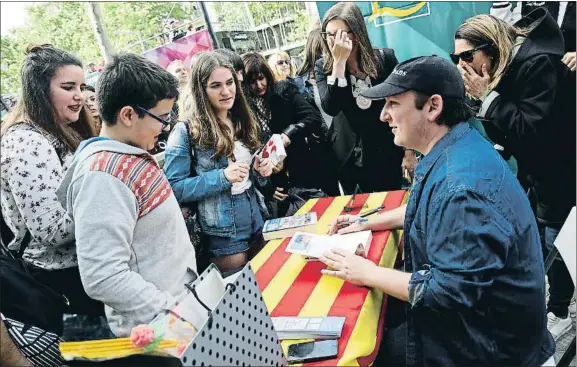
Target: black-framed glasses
[(285, 62), (164, 122), (326, 35), (467, 56)]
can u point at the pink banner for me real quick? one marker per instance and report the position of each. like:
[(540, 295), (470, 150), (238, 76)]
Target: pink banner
[(181, 49)]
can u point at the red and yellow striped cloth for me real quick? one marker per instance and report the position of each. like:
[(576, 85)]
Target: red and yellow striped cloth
[(292, 286)]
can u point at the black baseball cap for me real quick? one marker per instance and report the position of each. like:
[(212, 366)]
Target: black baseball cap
[(426, 74)]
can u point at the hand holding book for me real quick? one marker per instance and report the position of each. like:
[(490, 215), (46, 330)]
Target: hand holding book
[(263, 166), (347, 266)]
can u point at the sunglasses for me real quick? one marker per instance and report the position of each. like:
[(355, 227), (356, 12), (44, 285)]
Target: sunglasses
[(283, 62), (326, 35), (467, 56), (164, 122)]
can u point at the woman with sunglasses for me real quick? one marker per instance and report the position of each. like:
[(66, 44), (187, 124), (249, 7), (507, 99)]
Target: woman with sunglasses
[(281, 65), (209, 161), (527, 105), (515, 74), (366, 153)]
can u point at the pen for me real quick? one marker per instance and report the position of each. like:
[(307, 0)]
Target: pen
[(358, 220), (372, 211)]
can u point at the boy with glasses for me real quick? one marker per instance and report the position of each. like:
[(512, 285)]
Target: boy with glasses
[(133, 247)]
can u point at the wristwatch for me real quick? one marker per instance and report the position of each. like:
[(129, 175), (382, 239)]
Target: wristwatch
[(342, 82)]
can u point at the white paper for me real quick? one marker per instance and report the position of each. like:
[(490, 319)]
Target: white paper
[(210, 291), (566, 243), (312, 245)]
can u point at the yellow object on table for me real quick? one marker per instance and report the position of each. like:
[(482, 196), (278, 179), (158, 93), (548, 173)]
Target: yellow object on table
[(106, 349)]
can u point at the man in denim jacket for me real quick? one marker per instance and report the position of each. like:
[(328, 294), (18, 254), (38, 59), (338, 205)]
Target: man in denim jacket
[(473, 270)]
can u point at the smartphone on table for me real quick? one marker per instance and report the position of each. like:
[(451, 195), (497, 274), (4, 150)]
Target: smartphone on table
[(312, 351)]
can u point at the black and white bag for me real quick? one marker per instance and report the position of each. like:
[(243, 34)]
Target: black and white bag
[(40, 347)]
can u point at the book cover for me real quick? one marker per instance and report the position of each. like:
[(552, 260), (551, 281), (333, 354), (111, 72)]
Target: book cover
[(313, 245), (274, 150), (287, 226), (289, 328)]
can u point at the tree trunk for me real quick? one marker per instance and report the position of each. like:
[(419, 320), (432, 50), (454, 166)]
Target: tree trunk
[(249, 15), (277, 43), (209, 25), (95, 14)]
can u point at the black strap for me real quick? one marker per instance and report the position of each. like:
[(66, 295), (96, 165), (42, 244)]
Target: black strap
[(23, 245), (25, 242)]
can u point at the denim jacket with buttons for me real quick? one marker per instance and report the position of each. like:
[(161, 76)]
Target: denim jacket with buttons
[(477, 290), (196, 176)]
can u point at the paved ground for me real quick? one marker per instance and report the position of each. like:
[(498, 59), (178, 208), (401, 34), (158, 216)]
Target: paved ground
[(563, 343), (565, 340)]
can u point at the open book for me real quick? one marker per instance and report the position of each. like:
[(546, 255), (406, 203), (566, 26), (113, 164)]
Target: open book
[(288, 226), (313, 246)]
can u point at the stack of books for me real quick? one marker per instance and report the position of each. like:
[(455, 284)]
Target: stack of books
[(286, 227), (293, 328)]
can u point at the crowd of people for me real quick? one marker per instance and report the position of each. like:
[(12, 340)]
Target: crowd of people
[(89, 216)]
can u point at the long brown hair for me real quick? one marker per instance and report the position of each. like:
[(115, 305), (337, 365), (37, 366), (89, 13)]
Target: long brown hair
[(313, 52), (254, 65), (34, 105), (351, 14), (500, 35), (206, 127)]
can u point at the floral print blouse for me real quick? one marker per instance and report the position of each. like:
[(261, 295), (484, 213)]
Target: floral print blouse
[(33, 164)]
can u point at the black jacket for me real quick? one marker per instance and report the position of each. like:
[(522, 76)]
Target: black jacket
[(292, 115), (532, 114), (381, 157), (568, 24)]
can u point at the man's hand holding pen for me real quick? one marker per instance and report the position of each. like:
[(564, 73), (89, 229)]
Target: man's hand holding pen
[(352, 223), (348, 224)]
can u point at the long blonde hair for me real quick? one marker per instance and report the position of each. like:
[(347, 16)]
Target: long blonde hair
[(351, 14), (272, 60), (206, 128), (500, 35)]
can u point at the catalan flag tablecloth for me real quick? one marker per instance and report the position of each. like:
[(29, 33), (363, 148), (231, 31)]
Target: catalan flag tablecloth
[(292, 286)]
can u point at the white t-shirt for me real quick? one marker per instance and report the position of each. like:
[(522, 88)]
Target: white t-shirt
[(562, 11), (242, 155)]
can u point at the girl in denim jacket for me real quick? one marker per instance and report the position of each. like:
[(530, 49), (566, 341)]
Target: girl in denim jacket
[(209, 157)]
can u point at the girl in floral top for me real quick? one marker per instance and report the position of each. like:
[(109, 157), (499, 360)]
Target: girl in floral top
[(38, 138)]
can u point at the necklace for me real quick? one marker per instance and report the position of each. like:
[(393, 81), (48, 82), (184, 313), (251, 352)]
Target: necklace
[(358, 86)]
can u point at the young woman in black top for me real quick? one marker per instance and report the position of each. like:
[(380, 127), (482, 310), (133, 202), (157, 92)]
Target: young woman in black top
[(364, 146), (280, 109)]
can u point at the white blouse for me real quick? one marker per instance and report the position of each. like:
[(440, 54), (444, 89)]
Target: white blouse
[(242, 155), (31, 171)]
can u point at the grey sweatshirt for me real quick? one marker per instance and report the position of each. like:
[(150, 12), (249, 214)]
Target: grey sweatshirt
[(132, 243)]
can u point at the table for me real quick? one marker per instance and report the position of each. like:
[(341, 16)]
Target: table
[(292, 286)]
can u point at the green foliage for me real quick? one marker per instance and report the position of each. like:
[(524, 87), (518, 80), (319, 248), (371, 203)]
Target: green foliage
[(234, 18), (67, 25)]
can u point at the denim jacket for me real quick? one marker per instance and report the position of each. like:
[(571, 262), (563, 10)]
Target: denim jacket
[(477, 290), (305, 88), (197, 177)]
